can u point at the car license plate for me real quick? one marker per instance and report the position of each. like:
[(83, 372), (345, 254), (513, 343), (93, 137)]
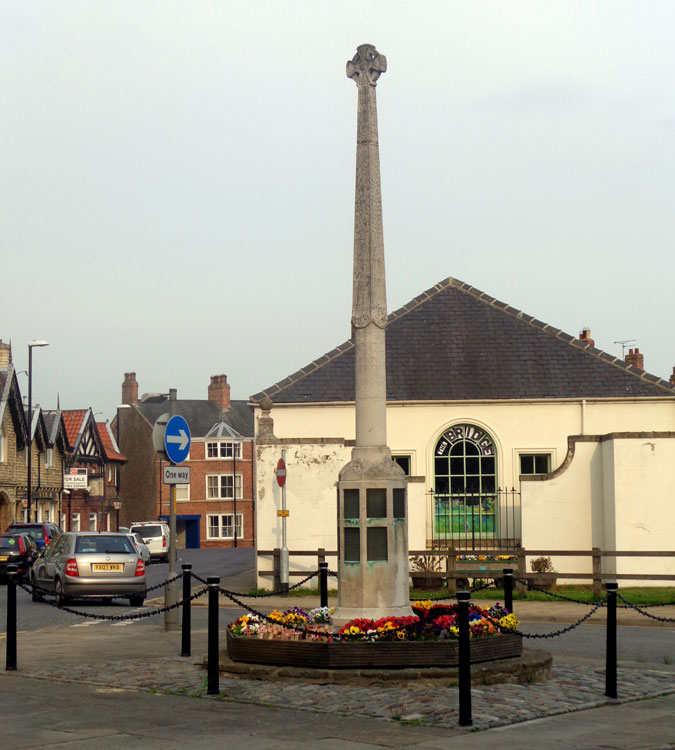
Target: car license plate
[(4, 557), (106, 566)]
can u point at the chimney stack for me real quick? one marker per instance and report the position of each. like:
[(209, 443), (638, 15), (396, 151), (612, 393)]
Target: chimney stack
[(5, 354), (130, 389), (585, 336), (635, 358), (672, 377), (219, 391)]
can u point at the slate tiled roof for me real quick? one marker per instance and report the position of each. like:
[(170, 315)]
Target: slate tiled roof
[(110, 448), (38, 427), (53, 423), (202, 414), (454, 342), (10, 398)]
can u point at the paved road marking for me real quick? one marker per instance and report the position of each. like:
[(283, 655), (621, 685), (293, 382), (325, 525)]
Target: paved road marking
[(86, 623), (18, 632)]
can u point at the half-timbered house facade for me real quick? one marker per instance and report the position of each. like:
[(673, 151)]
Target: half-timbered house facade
[(85, 506)]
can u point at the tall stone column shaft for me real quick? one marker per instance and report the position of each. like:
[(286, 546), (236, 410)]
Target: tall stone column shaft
[(369, 300), (372, 516)]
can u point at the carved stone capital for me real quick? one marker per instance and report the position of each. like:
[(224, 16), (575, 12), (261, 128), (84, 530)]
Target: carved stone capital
[(366, 66)]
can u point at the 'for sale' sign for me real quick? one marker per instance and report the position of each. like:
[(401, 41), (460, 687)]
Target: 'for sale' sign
[(75, 479)]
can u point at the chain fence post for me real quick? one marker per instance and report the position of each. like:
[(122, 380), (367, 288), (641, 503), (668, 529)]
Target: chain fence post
[(451, 569), (521, 567), (610, 662), (323, 583), (213, 656), (597, 572), (465, 719), (508, 588), (186, 635), (10, 654)]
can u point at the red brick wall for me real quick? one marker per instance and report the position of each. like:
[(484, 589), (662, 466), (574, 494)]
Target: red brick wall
[(200, 467)]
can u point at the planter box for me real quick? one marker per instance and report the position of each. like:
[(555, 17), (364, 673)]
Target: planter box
[(377, 655), (424, 582), (542, 580)]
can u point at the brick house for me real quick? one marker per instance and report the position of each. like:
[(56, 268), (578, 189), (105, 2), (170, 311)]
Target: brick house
[(221, 462), (49, 450), (113, 460), (13, 441), (51, 467), (94, 453), (49, 447)]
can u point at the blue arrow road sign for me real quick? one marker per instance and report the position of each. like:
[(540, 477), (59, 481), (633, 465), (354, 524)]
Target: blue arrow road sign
[(177, 440)]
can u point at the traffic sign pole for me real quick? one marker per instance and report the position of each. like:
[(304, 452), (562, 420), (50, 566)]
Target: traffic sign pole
[(171, 588), (283, 559)]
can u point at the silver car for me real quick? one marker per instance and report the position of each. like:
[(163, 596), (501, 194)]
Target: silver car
[(141, 547), (89, 564)]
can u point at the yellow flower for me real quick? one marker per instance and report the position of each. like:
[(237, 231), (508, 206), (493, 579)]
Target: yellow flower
[(400, 634), (354, 629), (509, 622)]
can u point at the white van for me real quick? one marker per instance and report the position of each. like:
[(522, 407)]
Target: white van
[(156, 535)]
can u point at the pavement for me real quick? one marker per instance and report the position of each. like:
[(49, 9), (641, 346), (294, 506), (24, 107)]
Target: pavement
[(99, 685)]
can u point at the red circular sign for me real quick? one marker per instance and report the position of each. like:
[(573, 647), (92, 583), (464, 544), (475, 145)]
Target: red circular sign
[(281, 472)]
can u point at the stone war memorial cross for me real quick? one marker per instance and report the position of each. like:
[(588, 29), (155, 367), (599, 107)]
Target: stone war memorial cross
[(372, 508)]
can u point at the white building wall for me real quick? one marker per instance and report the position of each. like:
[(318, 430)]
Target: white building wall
[(616, 494), (311, 499), (644, 482), (572, 511), (558, 513)]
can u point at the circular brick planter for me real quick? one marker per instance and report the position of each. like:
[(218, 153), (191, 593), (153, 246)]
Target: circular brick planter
[(374, 655)]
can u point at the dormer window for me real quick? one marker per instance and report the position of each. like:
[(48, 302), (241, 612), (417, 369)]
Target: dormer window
[(223, 449)]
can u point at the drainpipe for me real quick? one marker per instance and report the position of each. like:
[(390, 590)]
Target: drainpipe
[(583, 416), (234, 487)]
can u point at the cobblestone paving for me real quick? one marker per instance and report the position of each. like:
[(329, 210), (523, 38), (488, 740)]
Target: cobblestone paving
[(572, 688)]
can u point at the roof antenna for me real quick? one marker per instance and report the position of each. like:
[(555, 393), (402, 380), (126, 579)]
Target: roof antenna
[(623, 346)]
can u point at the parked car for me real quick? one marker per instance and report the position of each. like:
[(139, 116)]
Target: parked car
[(140, 546), (19, 550), (156, 535), (89, 564), (123, 529), (43, 532)]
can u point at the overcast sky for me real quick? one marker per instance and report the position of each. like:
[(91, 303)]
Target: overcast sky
[(177, 178)]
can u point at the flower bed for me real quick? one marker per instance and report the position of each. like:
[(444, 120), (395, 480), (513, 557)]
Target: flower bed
[(428, 638)]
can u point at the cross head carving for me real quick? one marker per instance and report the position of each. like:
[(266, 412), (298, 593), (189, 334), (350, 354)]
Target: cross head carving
[(366, 66)]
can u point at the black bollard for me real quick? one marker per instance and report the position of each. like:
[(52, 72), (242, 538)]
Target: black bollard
[(213, 687), (186, 634), (508, 588), (323, 583), (10, 661), (465, 719), (610, 661)]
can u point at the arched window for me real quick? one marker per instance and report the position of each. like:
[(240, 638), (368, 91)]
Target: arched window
[(465, 485)]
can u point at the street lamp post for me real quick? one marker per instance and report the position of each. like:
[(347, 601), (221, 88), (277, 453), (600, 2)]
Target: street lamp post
[(31, 344)]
